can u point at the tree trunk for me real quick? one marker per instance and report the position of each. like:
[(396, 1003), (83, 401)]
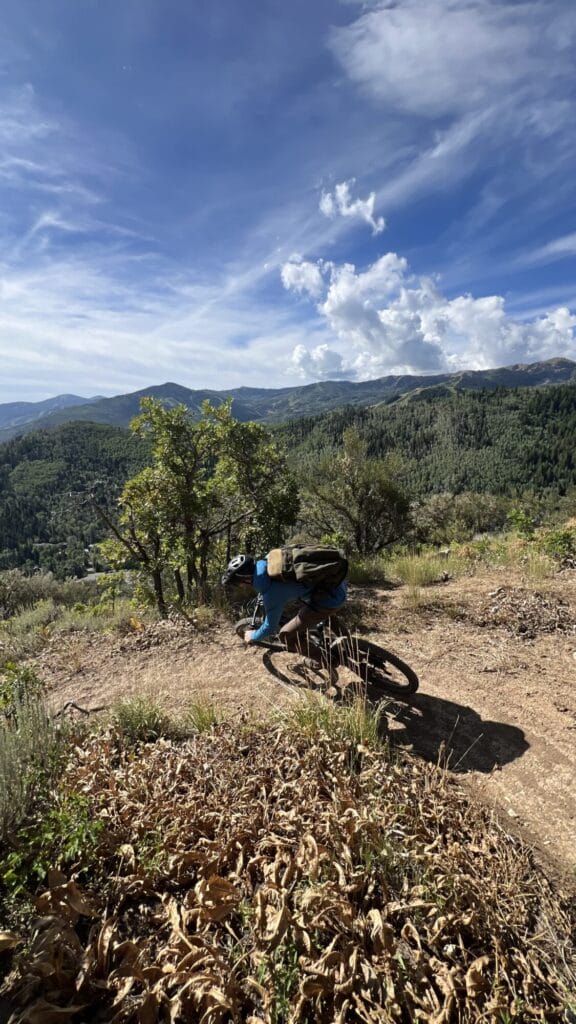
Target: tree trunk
[(179, 586), (203, 580), (159, 593)]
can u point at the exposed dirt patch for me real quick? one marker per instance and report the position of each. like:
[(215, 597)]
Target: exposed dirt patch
[(497, 707)]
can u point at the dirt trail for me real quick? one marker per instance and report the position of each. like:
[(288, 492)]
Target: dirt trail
[(498, 710)]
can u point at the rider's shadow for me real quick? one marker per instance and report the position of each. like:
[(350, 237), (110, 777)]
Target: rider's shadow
[(440, 731), (302, 682), (452, 735)]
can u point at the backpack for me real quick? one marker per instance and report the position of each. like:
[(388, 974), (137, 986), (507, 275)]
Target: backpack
[(313, 565)]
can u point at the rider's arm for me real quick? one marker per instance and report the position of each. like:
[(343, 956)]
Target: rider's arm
[(274, 601)]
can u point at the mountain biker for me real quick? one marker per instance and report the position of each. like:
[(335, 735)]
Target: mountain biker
[(316, 605)]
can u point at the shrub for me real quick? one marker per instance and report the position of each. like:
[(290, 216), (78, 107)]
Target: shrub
[(29, 745), (19, 592), (18, 685), (521, 521), (66, 835), (560, 544), (368, 570)]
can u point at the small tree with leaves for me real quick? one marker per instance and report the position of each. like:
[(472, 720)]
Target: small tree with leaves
[(138, 535), (211, 479), (348, 495)]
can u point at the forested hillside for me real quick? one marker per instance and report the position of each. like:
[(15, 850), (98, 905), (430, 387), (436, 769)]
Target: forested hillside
[(502, 442), (276, 405), (45, 480)]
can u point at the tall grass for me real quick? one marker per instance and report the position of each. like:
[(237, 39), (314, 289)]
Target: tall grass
[(357, 722), (417, 570), (538, 566)]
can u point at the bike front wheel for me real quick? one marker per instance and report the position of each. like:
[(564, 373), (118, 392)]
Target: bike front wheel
[(243, 625), (271, 643), (380, 668)]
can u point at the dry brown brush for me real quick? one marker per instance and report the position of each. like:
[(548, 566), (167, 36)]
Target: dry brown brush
[(257, 874)]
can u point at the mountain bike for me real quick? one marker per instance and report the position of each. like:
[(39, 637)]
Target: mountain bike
[(375, 666)]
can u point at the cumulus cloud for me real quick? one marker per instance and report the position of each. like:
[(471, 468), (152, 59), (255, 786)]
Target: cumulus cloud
[(386, 320), (298, 275), (320, 363), (340, 203)]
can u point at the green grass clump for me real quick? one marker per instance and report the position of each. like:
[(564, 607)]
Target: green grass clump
[(202, 717), (143, 721), (357, 722)]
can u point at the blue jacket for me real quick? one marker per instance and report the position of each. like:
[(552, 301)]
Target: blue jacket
[(278, 593)]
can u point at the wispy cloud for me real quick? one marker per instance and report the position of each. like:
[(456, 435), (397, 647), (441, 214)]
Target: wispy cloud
[(557, 249), (149, 223), (435, 58)]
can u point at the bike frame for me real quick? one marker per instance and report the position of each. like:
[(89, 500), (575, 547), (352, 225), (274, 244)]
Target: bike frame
[(255, 606)]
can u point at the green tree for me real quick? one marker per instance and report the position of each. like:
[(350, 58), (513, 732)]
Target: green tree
[(138, 533), (349, 495), (214, 482)]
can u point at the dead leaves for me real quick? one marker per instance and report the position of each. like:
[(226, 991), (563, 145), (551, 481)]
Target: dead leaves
[(292, 890), (526, 613)]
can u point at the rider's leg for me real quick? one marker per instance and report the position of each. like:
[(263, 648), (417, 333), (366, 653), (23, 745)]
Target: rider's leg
[(295, 633)]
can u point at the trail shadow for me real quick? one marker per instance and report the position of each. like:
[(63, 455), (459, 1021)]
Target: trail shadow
[(7, 1009), (307, 681), (441, 731), (451, 734)]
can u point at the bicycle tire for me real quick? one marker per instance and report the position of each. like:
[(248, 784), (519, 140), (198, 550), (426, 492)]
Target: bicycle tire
[(271, 643), (242, 625), (374, 664)]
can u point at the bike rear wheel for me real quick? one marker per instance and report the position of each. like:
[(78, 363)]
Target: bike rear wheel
[(380, 668)]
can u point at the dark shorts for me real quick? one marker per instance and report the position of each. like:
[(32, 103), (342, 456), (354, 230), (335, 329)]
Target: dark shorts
[(294, 633)]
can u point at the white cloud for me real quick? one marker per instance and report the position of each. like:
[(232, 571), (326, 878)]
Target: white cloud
[(473, 83), (385, 320), (299, 275), (319, 363), (341, 203), (105, 322), (444, 57), (558, 249)]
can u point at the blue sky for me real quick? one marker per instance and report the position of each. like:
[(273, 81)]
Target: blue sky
[(271, 193)]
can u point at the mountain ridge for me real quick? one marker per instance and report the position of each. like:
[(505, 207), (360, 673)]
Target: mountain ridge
[(275, 405), (14, 414)]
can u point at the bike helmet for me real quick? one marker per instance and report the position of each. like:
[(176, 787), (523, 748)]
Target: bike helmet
[(240, 568)]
